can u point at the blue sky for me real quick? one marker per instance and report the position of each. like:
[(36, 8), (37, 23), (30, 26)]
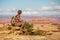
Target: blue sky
[(30, 7)]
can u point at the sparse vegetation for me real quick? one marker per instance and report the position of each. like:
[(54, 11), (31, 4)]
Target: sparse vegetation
[(30, 30), (28, 27), (9, 28), (50, 33), (38, 32)]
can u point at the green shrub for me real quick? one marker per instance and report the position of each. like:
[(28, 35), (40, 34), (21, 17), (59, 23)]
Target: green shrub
[(50, 33), (9, 28), (30, 30), (28, 27), (38, 32)]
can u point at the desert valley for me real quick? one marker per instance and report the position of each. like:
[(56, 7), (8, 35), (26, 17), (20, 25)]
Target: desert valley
[(51, 27)]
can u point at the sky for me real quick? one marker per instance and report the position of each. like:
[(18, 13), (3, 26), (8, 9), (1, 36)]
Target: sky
[(30, 7)]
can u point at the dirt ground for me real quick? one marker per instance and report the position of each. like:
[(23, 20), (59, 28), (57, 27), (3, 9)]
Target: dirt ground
[(54, 36)]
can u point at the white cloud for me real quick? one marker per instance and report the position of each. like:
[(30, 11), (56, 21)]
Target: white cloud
[(30, 12), (28, 9), (0, 10), (8, 10), (46, 8), (52, 3), (11, 10), (33, 11), (57, 7)]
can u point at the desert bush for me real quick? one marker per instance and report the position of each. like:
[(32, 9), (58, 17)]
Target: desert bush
[(29, 30), (38, 32), (49, 33), (9, 28), (28, 27)]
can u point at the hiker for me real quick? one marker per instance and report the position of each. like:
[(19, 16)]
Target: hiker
[(17, 20)]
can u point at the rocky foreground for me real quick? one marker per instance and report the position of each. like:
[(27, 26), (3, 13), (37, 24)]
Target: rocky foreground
[(6, 35), (54, 36)]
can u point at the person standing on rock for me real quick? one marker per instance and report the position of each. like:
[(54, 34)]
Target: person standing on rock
[(17, 20)]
